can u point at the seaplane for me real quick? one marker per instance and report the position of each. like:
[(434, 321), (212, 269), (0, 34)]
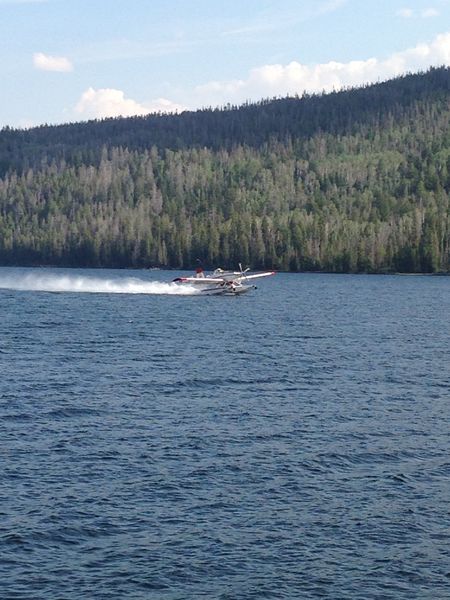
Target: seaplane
[(223, 283)]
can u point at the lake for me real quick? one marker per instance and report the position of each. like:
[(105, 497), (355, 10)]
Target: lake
[(290, 443)]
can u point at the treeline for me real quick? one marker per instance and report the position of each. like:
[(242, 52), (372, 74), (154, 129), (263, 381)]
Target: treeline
[(346, 182)]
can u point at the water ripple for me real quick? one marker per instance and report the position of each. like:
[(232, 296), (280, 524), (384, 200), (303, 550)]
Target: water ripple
[(292, 444)]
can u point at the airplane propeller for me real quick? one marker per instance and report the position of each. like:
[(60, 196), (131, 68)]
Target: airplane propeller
[(243, 272)]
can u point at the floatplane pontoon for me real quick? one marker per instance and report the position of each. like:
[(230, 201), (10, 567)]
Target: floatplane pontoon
[(220, 282)]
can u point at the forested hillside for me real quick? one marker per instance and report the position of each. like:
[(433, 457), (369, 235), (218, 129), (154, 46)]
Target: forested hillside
[(352, 181)]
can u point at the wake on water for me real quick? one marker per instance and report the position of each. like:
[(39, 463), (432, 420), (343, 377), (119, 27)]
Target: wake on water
[(94, 285)]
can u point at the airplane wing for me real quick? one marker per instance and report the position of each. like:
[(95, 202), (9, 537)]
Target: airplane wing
[(202, 280), (227, 278), (256, 275)]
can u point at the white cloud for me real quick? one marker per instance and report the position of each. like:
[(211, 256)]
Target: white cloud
[(278, 20), (429, 12), (108, 102), (272, 80), (295, 78), (44, 62), (409, 13), (330, 6), (165, 106), (405, 13), (25, 123)]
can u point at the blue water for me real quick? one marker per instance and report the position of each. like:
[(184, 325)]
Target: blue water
[(291, 443)]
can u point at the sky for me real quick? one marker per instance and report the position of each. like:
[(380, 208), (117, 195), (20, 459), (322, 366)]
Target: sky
[(75, 60)]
